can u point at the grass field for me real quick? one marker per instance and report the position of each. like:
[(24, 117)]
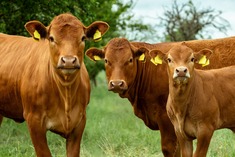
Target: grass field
[(112, 130)]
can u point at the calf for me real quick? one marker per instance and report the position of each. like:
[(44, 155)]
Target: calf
[(45, 82), (199, 102)]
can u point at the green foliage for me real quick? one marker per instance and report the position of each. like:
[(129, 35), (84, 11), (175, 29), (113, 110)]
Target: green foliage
[(94, 68), (14, 14)]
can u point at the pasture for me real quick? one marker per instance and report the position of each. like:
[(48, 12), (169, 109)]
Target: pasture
[(112, 130)]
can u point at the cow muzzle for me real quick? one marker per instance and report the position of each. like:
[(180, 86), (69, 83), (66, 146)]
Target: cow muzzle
[(181, 75), (117, 86), (68, 64)]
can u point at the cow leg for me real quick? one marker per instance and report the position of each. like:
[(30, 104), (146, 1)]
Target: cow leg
[(38, 136), (186, 146), (170, 145), (203, 141), (73, 141)]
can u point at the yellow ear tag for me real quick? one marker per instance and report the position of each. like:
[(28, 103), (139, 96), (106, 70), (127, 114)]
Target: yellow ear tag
[(153, 61), (158, 60), (207, 63), (97, 36), (97, 58), (203, 61), (36, 35), (142, 57)]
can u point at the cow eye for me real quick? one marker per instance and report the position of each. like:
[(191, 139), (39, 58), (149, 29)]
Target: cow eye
[(106, 61), (169, 60), (51, 39), (131, 60), (83, 38), (192, 59)]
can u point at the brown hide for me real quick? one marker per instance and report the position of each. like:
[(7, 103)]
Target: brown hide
[(199, 102), (223, 50), (45, 82), (146, 85)]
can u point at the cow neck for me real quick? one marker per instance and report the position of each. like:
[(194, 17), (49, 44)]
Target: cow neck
[(65, 80), (180, 101), (65, 89), (133, 90)]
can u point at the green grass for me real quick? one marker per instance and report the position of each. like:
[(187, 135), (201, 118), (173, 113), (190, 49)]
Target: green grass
[(112, 130)]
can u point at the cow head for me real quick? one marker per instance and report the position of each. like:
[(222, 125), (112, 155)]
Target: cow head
[(66, 36), (121, 59), (180, 60)]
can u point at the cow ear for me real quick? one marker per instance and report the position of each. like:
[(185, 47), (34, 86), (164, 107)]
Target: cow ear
[(157, 57), (202, 57), (96, 30), (140, 53), (36, 29), (95, 54)]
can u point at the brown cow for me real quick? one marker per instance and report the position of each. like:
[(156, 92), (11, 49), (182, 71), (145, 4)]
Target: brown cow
[(45, 82), (135, 80), (200, 101), (138, 82)]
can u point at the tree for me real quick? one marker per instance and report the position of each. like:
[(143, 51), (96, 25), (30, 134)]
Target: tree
[(187, 22), (14, 14)]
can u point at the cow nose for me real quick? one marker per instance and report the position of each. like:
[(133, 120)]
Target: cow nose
[(181, 71), (117, 85), (71, 60), (68, 62)]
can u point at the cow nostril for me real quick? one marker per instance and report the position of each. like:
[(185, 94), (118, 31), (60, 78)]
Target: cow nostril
[(120, 83), (177, 70), (111, 83), (74, 60), (185, 70), (62, 59)]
